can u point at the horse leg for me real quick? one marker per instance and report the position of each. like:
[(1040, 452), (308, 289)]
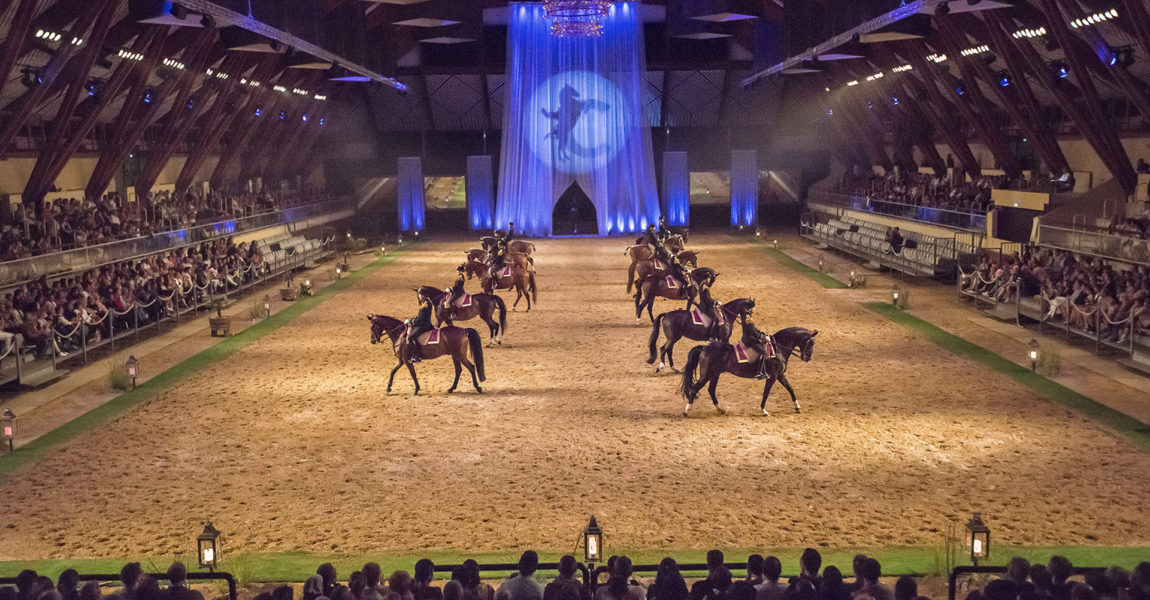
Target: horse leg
[(787, 384), (630, 276), (471, 369), (711, 389), (392, 377), (767, 392), (665, 353), (458, 370), (638, 303), (411, 369)]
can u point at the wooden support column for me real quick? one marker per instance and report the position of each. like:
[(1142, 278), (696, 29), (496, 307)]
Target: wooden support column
[(18, 33), (973, 69), (52, 71), (1117, 161), (973, 106)]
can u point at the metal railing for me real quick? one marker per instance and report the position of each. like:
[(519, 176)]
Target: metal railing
[(1105, 245), (117, 325), (221, 576), (940, 260), (31, 268), (910, 212)]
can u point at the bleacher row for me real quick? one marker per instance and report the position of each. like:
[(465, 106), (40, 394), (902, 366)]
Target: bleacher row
[(281, 248), (922, 255), (281, 252)]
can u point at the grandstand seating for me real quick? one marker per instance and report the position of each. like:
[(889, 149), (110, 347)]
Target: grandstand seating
[(923, 255)]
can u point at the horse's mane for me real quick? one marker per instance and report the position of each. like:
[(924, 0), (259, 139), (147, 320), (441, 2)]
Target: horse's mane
[(431, 290), (388, 322), (789, 331)]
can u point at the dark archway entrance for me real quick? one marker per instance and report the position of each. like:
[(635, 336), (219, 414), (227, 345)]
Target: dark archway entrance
[(574, 214)]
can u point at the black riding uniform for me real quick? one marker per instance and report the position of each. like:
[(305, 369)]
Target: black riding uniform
[(454, 292), (664, 231), (761, 342), (418, 326), (711, 308)]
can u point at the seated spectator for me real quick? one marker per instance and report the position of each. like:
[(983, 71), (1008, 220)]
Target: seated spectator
[(313, 587), (906, 588), (720, 584), (474, 584), (833, 587), (872, 587), (522, 585), (178, 584), (421, 588), (669, 583), (771, 588), (399, 586), (701, 588), (129, 576), (564, 581), (894, 238), (809, 565), (619, 585), (330, 579), (755, 570), (68, 584)]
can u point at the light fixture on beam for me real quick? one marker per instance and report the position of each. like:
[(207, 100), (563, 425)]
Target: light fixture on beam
[(1029, 33), (129, 55), (902, 68), (936, 57), (976, 50), (1094, 19), (174, 64)]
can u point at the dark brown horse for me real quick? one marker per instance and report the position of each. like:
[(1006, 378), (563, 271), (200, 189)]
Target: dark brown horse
[(482, 306), (511, 258), (509, 278), (453, 341), (489, 242), (715, 359), (661, 286), (638, 271), (679, 324)]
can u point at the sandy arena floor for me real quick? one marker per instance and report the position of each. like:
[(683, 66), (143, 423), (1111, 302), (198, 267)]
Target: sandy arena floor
[(292, 444)]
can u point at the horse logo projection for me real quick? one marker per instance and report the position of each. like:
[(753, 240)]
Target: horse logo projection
[(576, 107)]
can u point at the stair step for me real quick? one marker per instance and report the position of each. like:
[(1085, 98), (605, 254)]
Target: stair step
[(41, 377)]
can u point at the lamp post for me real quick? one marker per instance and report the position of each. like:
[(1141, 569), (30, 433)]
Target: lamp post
[(1033, 355), (592, 543), (337, 272), (133, 369), (977, 538), (207, 549), (775, 243), (821, 265), (894, 296), (267, 306), (8, 421)]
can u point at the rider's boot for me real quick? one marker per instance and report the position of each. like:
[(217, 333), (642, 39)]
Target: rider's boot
[(762, 374), (416, 353)]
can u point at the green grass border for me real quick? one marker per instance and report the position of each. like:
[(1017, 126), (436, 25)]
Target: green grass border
[(105, 413), (298, 566), (1133, 429), (792, 263)]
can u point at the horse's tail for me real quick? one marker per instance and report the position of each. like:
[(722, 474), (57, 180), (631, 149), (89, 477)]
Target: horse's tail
[(630, 276), (655, 336), (531, 287), (502, 308), (687, 386), (476, 344)]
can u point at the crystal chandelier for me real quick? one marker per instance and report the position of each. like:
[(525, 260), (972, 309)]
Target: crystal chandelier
[(576, 18)]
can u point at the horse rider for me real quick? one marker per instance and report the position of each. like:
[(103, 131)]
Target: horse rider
[(453, 293), (710, 307), (498, 254), (664, 231), (680, 272), (417, 326), (761, 342)]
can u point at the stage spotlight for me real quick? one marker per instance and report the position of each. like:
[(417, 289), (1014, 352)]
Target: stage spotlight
[(283, 115), (1113, 58), (960, 90), (869, 105), (830, 112), (179, 12), (92, 87), (207, 21), (191, 102), (1003, 79), (943, 9), (894, 100), (149, 95), (304, 117), (322, 121), (31, 77), (259, 111), (1061, 71)]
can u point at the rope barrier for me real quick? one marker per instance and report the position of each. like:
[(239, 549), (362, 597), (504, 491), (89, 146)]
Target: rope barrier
[(9, 350), (70, 334), (126, 311)]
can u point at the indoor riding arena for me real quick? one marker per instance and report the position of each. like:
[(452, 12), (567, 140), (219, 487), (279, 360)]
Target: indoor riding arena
[(574, 300), (896, 437)]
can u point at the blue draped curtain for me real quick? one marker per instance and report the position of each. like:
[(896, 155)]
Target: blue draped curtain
[(574, 113), (410, 194), (744, 187), (677, 188), (480, 192)]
